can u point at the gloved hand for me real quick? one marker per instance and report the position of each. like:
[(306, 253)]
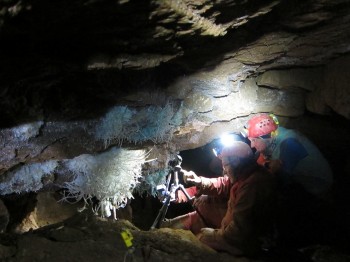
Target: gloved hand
[(262, 159), (181, 197), (273, 166), (190, 177)]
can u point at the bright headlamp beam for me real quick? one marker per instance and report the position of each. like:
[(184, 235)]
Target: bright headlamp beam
[(227, 140)]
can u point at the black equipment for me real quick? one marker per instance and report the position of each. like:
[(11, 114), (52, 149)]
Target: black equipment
[(168, 191)]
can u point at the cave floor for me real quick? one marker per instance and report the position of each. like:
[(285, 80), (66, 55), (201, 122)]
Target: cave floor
[(87, 237)]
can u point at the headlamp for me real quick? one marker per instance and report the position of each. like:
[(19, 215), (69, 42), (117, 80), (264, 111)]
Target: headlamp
[(226, 140), (217, 151), (244, 132)]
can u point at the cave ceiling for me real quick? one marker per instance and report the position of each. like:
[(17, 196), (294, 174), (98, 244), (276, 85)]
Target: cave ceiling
[(79, 77)]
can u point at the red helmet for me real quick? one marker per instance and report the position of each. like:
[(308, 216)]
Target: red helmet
[(262, 124)]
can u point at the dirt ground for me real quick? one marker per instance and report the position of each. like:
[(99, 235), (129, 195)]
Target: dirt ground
[(90, 238), (86, 237)]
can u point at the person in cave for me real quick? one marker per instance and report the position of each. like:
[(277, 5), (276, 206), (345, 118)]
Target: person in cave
[(240, 222), (304, 178)]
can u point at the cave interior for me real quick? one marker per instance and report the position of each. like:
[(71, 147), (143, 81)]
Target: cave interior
[(96, 97)]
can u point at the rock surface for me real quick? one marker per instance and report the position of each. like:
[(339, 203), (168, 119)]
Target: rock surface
[(85, 237), (81, 80)]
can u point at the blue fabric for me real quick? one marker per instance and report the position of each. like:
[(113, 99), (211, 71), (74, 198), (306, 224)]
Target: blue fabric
[(291, 152)]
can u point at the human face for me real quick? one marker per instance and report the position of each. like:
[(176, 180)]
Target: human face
[(260, 144)]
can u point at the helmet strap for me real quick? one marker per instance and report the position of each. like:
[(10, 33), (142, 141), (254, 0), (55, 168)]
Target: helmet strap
[(271, 146)]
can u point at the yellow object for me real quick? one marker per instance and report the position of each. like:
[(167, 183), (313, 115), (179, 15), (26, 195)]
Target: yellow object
[(127, 237), (275, 119)]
